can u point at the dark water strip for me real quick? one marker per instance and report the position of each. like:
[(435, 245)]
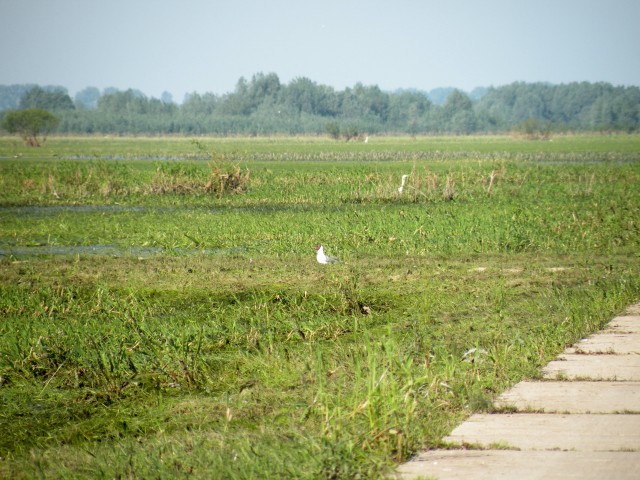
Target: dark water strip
[(52, 210), (113, 251)]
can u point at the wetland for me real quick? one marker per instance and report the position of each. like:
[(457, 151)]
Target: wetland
[(163, 314)]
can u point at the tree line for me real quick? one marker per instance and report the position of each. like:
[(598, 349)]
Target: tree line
[(263, 105)]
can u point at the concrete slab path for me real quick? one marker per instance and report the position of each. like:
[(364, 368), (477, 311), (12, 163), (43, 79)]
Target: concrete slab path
[(528, 465), (594, 367), (569, 397), (581, 421), (542, 431)]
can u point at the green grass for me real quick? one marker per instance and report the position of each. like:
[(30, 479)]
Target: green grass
[(181, 332)]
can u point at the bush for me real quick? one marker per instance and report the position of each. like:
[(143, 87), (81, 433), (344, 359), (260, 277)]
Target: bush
[(333, 130), (533, 129), (29, 124)]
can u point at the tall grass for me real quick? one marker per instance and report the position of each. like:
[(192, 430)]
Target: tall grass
[(459, 209)]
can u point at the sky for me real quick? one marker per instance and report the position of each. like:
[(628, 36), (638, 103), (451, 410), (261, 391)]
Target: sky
[(186, 46)]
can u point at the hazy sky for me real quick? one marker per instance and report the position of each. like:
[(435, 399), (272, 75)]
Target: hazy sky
[(202, 46)]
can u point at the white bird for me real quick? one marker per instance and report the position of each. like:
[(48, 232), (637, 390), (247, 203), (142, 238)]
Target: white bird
[(401, 188), (322, 258)]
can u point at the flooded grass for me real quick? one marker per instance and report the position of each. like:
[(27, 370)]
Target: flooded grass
[(170, 333)]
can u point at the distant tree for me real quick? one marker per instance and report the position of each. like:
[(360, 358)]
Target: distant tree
[(238, 102), (439, 95), (156, 106), (87, 98), (29, 124), (477, 93), (568, 102), (457, 113), (302, 94), (333, 130), (601, 115), (626, 109), (531, 103), (350, 131), (166, 97), (264, 87), (46, 99), (365, 102), (10, 95), (195, 104), (127, 102), (462, 122), (578, 106), (264, 106), (406, 111), (457, 101), (533, 129)]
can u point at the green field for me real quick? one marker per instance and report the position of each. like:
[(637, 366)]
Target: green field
[(163, 315)]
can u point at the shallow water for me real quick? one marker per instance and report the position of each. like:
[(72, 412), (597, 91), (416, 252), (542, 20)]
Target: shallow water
[(112, 251), (48, 210), (52, 210)]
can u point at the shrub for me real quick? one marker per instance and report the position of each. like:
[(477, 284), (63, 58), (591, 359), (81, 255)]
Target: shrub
[(29, 124)]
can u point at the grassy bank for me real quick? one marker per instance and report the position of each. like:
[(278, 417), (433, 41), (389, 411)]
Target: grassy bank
[(154, 326)]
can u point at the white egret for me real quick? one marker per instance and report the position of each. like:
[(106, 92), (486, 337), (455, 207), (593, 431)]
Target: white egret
[(322, 258), (401, 188)]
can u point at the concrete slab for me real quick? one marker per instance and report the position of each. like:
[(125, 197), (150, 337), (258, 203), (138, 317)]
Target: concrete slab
[(621, 343), (543, 431), (573, 397), (628, 324), (633, 309), (594, 367), (509, 464)]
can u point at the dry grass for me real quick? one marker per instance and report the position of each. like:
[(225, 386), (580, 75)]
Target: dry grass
[(220, 180)]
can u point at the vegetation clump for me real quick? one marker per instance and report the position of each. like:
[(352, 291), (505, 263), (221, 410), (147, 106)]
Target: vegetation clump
[(178, 179)]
